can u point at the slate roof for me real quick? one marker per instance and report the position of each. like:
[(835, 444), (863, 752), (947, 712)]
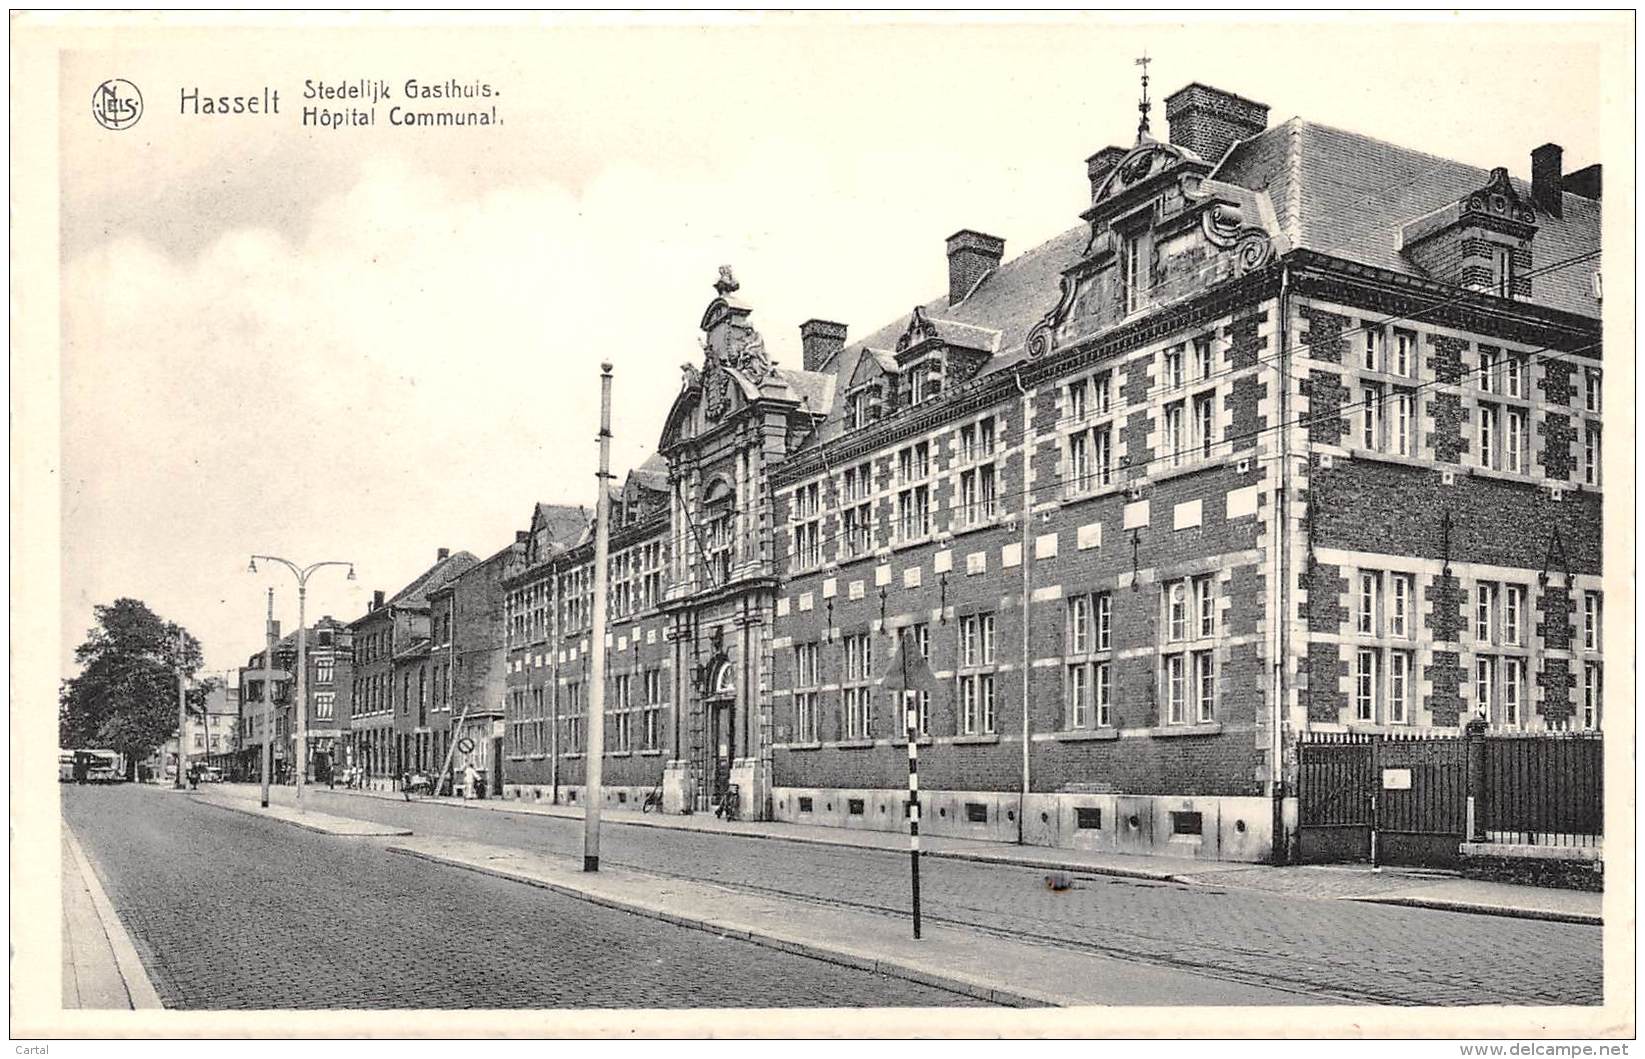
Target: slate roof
[(566, 523), (1334, 192), (1347, 195), (415, 594)]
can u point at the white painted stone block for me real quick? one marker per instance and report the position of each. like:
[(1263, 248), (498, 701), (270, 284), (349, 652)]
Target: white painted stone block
[(1090, 536), (1136, 514), (1187, 514)]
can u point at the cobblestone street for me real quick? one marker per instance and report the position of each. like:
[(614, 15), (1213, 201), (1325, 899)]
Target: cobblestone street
[(1342, 949), (228, 911)]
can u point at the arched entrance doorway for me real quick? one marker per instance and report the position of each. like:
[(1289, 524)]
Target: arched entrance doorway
[(720, 703)]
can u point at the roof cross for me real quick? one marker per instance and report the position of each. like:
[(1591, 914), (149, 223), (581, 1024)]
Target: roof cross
[(1144, 106)]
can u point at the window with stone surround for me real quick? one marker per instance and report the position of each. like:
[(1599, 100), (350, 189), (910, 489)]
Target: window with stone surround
[(656, 693), (914, 492), (1592, 454), (1204, 423), (1172, 372), (1403, 359), (1372, 348), (1501, 662), (806, 517), (1088, 688), (857, 653), (806, 681), (620, 713), (920, 633), (1383, 624), (857, 520), (574, 717), (976, 674), (1203, 363), (979, 481), (1174, 438), (1188, 679), (1591, 395)]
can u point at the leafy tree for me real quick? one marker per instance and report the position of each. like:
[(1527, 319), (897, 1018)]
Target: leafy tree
[(125, 696)]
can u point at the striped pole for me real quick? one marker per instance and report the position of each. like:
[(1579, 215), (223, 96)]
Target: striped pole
[(911, 715)]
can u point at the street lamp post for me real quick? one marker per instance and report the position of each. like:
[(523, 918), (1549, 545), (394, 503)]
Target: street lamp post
[(300, 765)]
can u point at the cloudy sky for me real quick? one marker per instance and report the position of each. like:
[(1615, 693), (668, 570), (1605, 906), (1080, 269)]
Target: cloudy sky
[(370, 343)]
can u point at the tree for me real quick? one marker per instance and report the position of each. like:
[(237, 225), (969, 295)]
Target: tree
[(125, 696)]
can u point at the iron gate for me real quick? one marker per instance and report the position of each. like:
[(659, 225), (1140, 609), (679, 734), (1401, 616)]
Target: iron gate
[(1390, 798)]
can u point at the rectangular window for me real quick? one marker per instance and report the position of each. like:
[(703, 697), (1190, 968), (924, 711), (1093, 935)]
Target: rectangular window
[(1405, 423), (1205, 606), (1372, 354), (976, 689), (1513, 611), (1131, 273), (1490, 454), (913, 513), (1502, 267), (1592, 694), (1102, 446), (859, 667), (1176, 690), (1369, 607), (1365, 684), (1405, 352), (1591, 398), (1079, 625), (1079, 695), (1172, 375), (323, 671), (1403, 598), (977, 494), (1187, 823), (1205, 685), (1590, 455), (1202, 357), (1488, 363), (921, 635), (1174, 440), (1104, 610), (1513, 690), (976, 813), (1485, 608), (1516, 442), (1204, 426), (1399, 687), (324, 704), (1371, 416), (1592, 615), (1102, 392), (1079, 460), (1104, 688), (1513, 375), (1078, 397), (1176, 611), (1485, 671)]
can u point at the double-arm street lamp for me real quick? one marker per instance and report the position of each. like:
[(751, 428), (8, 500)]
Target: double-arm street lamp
[(302, 573)]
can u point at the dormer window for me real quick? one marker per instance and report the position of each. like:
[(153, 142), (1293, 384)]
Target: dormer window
[(1502, 269), (1131, 273), (861, 409)]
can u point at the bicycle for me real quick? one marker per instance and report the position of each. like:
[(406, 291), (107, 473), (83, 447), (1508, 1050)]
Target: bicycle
[(653, 800), (730, 803)]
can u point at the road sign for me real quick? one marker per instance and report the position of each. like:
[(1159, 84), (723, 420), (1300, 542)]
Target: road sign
[(907, 669)]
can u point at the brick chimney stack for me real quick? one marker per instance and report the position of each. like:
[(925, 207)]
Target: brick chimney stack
[(442, 555), (377, 600), (821, 341), (1208, 120), (1548, 179), (971, 256), (1099, 165)]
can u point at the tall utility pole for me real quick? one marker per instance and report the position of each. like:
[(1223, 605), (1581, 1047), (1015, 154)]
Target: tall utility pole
[(595, 757), (268, 698), (302, 573), (182, 712)]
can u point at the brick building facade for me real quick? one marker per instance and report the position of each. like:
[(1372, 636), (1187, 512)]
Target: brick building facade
[(1295, 431)]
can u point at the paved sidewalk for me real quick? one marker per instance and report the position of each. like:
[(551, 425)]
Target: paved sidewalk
[(101, 968), (1329, 882), (321, 823), (987, 966)]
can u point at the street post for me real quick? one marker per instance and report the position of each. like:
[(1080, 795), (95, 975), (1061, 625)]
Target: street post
[(595, 756)]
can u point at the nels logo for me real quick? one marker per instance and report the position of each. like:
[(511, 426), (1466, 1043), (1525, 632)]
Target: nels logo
[(117, 104)]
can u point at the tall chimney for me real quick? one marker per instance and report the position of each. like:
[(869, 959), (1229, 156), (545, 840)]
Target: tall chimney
[(442, 555), (1099, 165), (1208, 120), (521, 536), (377, 600), (821, 341), (971, 256), (1548, 179)]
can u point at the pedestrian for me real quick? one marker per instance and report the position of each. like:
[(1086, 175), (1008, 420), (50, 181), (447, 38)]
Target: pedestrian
[(470, 775)]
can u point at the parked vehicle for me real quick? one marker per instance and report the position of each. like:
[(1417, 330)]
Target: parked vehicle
[(97, 766), (65, 766)]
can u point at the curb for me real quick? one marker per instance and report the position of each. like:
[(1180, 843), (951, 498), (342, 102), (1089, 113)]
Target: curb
[(890, 968), (316, 828), (134, 976), (1147, 874), (1473, 908)]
